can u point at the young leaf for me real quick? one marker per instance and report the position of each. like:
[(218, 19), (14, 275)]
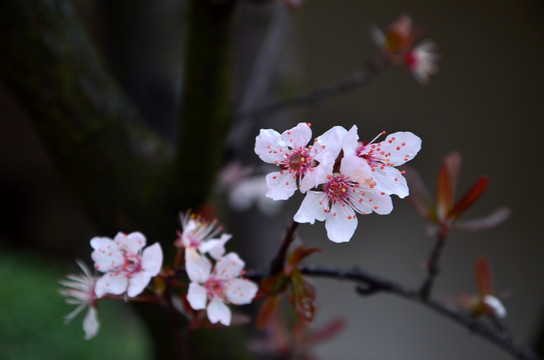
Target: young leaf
[(303, 297), (470, 197)]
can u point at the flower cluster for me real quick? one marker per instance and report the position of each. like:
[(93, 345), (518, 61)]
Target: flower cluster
[(212, 289), (339, 174), (399, 46), (127, 269)]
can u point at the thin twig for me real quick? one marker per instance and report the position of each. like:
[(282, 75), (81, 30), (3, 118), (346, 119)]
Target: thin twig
[(353, 81), (372, 284), (432, 266), (276, 266)]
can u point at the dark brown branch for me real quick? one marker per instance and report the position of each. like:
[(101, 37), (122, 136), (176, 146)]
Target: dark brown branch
[(276, 266), (372, 284), (432, 266), (352, 82)]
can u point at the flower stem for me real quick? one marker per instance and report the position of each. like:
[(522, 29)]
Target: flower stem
[(276, 266), (432, 266)]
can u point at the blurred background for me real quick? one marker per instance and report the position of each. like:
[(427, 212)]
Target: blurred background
[(486, 102)]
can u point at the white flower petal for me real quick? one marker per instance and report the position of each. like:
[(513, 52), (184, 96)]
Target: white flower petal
[(495, 304), (329, 143), (268, 145), (312, 208), (391, 181), (297, 137), (106, 254), (197, 296), (152, 259), (356, 168), (133, 243), (240, 291), (350, 142), (218, 312), (341, 223), (137, 283), (280, 186), (403, 146), (198, 267), (379, 201), (111, 283), (91, 324), (229, 266), (215, 247)]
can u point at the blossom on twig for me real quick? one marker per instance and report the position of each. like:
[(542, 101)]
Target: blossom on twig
[(199, 233), (210, 290), (399, 47), (80, 290), (126, 268), (485, 303), (300, 164)]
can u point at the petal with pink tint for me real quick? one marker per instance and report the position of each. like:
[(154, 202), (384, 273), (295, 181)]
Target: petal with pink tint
[(111, 283), (229, 266), (132, 243), (218, 312), (240, 291), (312, 208), (137, 283), (297, 137), (198, 267), (152, 259), (106, 254), (280, 186), (341, 223), (403, 146), (91, 324), (197, 296), (391, 181), (269, 146)]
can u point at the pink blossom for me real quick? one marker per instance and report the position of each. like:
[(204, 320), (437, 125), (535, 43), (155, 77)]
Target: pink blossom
[(345, 192), (422, 61), (199, 233), (299, 163), (80, 290), (211, 290), (126, 268), (382, 157)]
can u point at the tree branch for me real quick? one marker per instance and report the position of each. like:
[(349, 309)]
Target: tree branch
[(372, 284), (351, 82)]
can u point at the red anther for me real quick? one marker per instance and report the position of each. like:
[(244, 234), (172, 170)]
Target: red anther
[(398, 147), (403, 172), (309, 124), (403, 144), (375, 207)]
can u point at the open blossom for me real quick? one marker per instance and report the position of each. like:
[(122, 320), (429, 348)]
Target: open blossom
[(382, 157), (125, 266), (422, 61), (300, 164), (210, 290), (399, 48), (199, 233), (345, 192), (80, 290)]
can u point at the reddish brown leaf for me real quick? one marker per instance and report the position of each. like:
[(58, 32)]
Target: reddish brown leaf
[(300, 253), (274, 285), (268, 310), (447, 184), (470, 197), (327, 332), (484, 277), (302, 297)]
